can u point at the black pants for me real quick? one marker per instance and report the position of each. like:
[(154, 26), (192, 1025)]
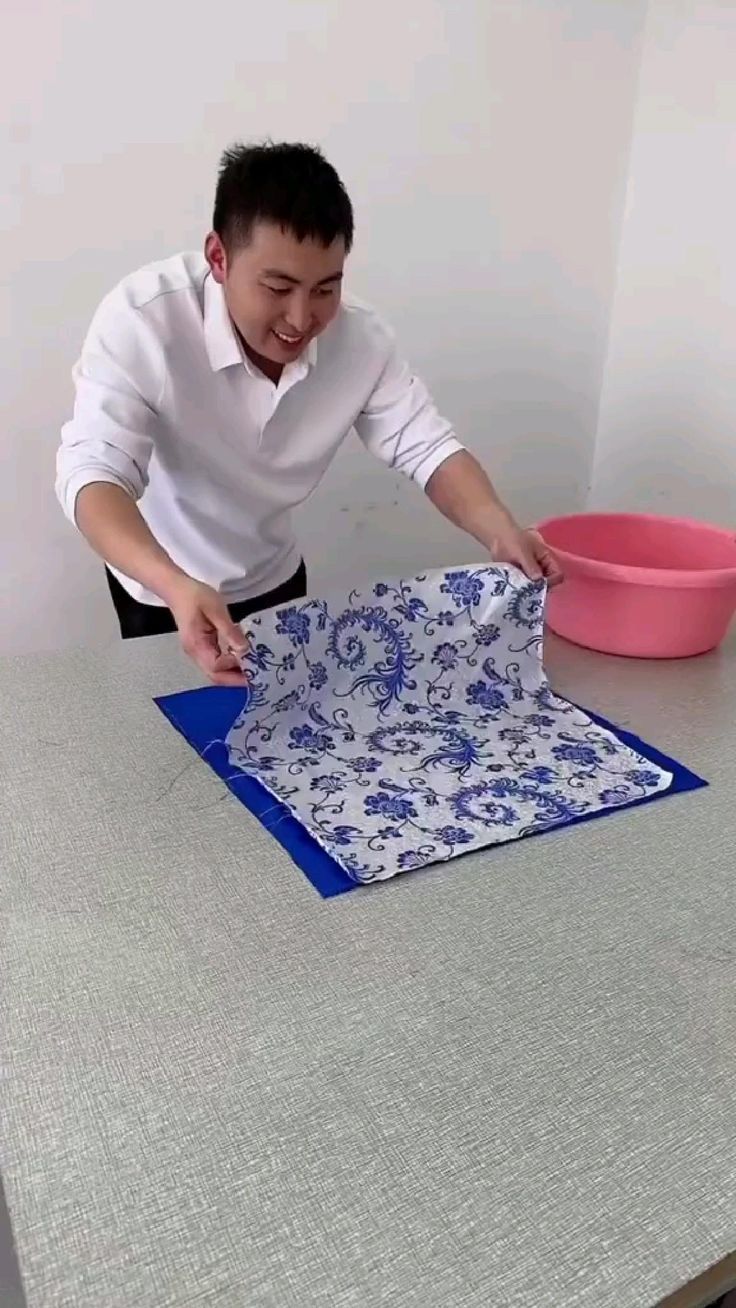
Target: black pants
[(138, 619)]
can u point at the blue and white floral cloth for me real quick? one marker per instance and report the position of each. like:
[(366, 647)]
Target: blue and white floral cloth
[(412, 722)]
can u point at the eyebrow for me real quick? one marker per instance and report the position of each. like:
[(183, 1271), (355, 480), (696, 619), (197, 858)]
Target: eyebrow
[(294, 281)]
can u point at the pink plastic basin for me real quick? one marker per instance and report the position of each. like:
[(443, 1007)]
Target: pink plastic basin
[(640, 585)]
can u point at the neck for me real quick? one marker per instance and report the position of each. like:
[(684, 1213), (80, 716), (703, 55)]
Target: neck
[(267, 366)]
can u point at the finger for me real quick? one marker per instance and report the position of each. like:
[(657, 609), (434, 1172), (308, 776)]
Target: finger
[(532, 568), (548, 566), (221, 669), (551, 569), (238, 679), (227, 663), (231, 636), (231, 660), (202, 645)]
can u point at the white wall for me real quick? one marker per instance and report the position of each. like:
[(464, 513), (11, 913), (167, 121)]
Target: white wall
[(667, 436), (485, 145)]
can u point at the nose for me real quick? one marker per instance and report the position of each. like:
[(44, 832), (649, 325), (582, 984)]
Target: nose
[(299, 314)]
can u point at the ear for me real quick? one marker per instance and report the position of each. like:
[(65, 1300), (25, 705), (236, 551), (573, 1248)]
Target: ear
[(216, 256)]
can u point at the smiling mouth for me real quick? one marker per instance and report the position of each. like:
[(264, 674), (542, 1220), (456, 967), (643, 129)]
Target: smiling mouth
[(291, 341)]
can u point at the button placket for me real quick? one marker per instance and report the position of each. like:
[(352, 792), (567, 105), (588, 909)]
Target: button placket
[(268, 402)]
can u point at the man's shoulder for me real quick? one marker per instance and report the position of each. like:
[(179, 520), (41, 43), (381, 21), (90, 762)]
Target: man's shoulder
[(154, 301), (362, 325), (182, 274)]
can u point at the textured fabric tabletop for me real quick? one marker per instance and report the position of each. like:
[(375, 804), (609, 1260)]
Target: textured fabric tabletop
[(506, 1082)]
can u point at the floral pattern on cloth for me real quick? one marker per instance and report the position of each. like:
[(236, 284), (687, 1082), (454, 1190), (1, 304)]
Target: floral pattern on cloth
[(413, 721)]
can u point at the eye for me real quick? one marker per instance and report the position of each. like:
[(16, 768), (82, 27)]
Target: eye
[(279, 290), (323, 291)]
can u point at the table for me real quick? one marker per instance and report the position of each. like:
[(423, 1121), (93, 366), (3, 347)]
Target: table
[(504, 1081)]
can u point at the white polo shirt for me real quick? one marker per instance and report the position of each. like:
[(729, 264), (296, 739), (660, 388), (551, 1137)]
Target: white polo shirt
[(169, 408)]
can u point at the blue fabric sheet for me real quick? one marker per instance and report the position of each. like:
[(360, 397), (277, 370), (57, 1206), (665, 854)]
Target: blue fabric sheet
[(204, 717)]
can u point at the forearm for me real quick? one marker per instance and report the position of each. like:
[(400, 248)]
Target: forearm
[(463, 492), (110, 521)]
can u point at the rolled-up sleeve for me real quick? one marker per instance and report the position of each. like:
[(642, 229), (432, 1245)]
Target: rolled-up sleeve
[(400, 424), (118, 383)]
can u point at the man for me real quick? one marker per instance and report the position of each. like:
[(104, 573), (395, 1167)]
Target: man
[(212, 394)]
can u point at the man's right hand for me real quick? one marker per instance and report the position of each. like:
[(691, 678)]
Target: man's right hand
[(207, 632), (112, 523)]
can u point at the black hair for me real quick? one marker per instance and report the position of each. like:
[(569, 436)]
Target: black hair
[(292, 186)]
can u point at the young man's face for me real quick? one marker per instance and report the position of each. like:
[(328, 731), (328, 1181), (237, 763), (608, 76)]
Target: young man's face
[(280, 292)]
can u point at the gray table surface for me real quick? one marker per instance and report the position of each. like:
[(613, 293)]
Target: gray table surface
[(507, 1080)]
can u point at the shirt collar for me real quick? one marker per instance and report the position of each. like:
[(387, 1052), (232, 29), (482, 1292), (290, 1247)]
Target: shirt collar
[(223, 347)]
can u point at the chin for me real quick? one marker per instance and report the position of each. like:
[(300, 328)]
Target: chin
[(271, 350)]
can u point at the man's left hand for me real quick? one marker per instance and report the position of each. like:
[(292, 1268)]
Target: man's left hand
[(528, 551)]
